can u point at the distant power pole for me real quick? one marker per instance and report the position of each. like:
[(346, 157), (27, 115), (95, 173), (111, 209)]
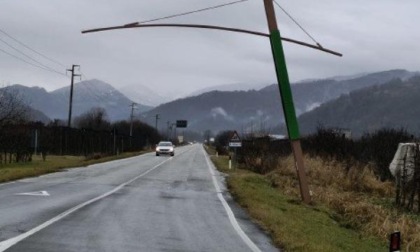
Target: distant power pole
[(157, 118), (71, 92), (168, 130), (131, 120)]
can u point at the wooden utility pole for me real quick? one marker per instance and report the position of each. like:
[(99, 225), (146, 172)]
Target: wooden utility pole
[(168, 130), (287, 99), (157, 118), (131, 120), (71, 92)]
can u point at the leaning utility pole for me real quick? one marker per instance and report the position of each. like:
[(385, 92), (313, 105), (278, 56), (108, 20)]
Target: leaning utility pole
[(287, 99), (281, 72), (131, 120), (71, 92)]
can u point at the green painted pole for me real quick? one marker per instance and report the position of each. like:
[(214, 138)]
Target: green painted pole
[(287, 99)]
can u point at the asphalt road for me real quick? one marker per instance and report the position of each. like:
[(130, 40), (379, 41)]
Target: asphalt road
[(144, 203)]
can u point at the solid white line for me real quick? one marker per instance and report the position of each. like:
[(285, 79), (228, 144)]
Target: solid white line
[(40, 193), (229, 211), (12, 241), (7, 183)]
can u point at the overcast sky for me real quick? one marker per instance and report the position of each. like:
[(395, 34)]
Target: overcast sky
[(373, 35)]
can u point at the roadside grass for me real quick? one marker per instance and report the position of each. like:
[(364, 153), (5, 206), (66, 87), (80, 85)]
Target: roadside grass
[(37, 167), (359, 200), (292, 225)]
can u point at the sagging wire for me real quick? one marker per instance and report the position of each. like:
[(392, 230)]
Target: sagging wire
[(33, 50), (297, 23), (191, 12)]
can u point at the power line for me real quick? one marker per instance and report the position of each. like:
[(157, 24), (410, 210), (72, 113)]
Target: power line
[(27, 62), (27, 56), (33, 50), (303, 29), (191, 12)]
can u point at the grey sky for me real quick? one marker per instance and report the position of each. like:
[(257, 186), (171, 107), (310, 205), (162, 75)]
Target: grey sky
[(373, 35)]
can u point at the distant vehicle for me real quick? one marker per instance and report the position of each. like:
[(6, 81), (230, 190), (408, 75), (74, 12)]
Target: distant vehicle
[(165, 147)]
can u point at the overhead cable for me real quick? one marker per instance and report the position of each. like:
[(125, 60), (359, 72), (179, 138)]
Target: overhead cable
[(33, 50), (27, 56), (303, 29), (30, 63), (191, 12)]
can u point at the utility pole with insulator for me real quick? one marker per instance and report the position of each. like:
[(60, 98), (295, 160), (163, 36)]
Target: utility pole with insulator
[(131, 121), (157, 118), (168, 130), (71, 92)]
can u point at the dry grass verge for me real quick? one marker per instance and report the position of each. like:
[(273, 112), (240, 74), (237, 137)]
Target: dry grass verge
[(292, 225), (359, 200)]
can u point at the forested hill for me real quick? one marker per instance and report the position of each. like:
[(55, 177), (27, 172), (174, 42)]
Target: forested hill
[(310, 94), (261, 109), (218, 110), (392, 105)]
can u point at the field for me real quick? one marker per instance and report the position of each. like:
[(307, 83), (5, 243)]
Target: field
[(14, 171)]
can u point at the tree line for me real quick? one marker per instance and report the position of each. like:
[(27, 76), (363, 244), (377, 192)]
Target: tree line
[(377, 148), (92, 133)]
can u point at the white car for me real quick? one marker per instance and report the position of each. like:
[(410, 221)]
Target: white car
[(165, 147)]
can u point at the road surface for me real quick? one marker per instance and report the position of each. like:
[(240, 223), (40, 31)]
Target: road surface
[(144, 203)]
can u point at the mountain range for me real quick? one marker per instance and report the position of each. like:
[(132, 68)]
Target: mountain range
[(255, 110), (86, 94), (392, 105), (343, 101), (144, 95)]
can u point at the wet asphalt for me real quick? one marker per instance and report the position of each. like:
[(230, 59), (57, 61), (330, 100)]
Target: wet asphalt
[(144, 203)]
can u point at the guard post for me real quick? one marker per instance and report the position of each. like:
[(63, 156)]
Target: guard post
[(395, 242)]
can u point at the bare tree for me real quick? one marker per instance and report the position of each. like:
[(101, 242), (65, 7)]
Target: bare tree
[(207, 135), (96, 118), (12, 108)]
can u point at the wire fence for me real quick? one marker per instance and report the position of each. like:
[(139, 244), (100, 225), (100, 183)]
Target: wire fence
[(19, 142)]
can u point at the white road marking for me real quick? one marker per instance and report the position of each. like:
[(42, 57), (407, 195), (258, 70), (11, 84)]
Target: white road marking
[(12, 241), (229, 211), (41, 193), (7, 183)]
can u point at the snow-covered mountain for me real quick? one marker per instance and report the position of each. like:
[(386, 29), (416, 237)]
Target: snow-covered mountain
[(86, 94), (144, 95)]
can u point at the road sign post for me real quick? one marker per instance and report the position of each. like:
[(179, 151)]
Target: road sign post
[(235, 140), (235, 143), (181, 123)]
